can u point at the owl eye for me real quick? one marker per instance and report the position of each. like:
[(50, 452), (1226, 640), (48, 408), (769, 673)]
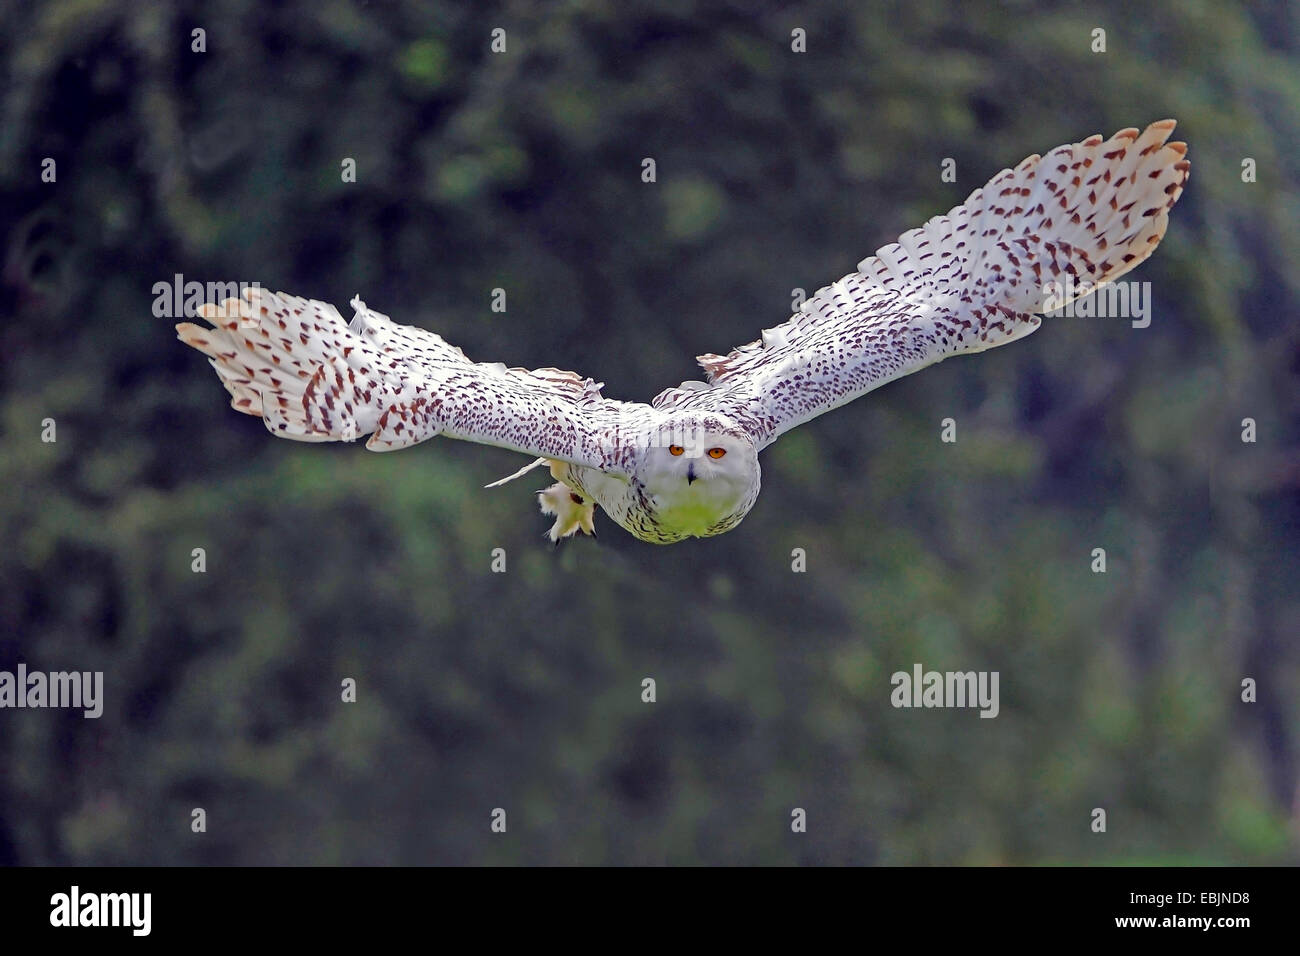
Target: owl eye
[(717, 452), (675, 450)]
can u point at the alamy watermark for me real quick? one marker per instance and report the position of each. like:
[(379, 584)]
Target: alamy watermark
[(922, 688), (1087, 300), (83, 690), (179, 299), (76, 908)]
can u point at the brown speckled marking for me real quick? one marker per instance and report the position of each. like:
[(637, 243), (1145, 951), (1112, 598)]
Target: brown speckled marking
[(964, 282)]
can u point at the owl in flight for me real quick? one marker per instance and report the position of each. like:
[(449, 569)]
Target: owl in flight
[(1035, 237)]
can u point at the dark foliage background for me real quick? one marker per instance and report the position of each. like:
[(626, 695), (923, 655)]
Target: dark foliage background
[(522, 690)]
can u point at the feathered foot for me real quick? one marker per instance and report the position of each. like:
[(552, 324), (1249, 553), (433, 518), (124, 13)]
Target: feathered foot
[(573, 512)]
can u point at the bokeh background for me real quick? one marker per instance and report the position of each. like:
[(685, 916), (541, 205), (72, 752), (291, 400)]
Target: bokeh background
[(522, 690)]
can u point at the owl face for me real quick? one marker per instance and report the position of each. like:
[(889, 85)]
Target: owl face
[(699, 477)]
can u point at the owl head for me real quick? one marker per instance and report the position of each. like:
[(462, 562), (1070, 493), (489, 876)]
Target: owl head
[(700, 470)]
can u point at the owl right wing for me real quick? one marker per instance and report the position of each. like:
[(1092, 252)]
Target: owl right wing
[(1035, 237), (311, 376)]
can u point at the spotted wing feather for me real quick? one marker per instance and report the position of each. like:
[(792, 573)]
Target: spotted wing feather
[(1035, 237), (312, 376)]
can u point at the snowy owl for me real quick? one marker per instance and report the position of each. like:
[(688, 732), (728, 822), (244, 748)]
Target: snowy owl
[(686, 465)]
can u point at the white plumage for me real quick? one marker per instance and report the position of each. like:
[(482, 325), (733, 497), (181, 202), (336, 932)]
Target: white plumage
[(686, 465)]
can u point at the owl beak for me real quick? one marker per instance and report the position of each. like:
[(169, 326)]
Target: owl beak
[(690, 474)]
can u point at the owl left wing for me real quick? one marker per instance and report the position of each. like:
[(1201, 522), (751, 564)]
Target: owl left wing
[(1034, 238)]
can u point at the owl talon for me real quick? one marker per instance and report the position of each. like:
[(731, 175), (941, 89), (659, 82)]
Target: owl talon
[(573, 513)]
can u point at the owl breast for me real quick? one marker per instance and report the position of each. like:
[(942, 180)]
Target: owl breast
[(666, 518), (698, 510)]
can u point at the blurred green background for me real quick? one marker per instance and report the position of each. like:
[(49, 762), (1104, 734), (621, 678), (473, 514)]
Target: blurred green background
[(522, 690)]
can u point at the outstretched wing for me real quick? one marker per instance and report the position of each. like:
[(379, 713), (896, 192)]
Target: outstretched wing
[(311, 376), (1034, 238)]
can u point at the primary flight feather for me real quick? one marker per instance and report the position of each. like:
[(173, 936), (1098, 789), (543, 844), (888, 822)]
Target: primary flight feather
[(1053, 229)]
